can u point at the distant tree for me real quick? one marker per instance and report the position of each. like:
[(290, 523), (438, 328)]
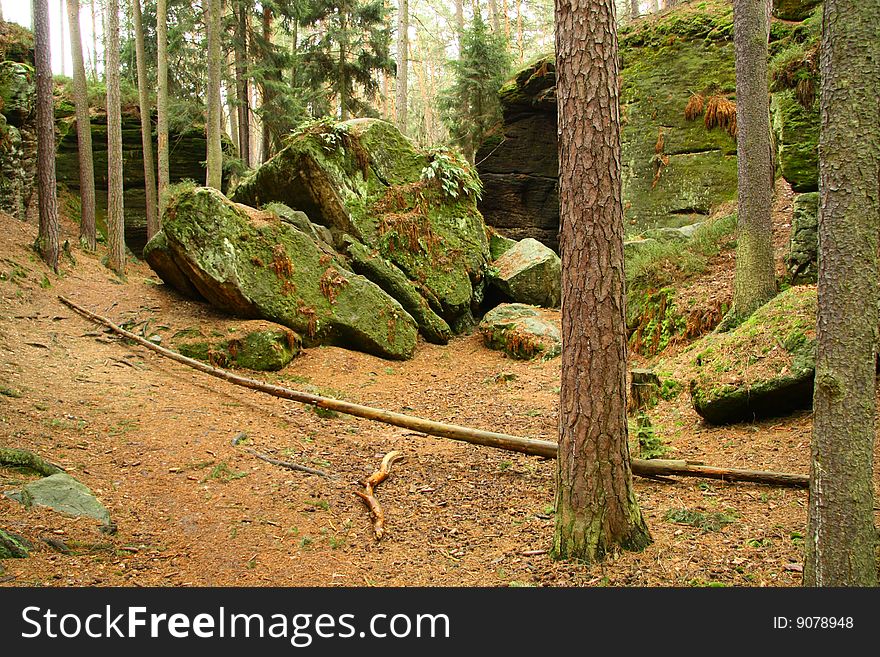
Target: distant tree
[(349, 43), (146, 122), (402, 64), (242, 89), (162, 103), (48, 235), (755, 280), (841, 537), (87, 234), (596, 507), (470, 105), (634, 8), (214, 176), (115, 217)]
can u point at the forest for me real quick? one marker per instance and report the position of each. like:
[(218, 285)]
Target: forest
[(426, 293)]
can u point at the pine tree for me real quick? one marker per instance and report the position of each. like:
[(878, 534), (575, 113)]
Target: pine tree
[(401, 95), (162, 102), (349, 43), (115, 217), (470, 104), (214, 175), (146, 123)]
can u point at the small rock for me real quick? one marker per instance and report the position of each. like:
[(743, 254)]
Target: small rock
[(529, 273), (64, 494), (522, 332)]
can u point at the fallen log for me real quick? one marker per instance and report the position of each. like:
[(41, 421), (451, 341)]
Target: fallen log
[(531, 446), (368, 495)]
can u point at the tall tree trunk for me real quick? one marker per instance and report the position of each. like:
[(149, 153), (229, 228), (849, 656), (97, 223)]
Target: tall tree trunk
[(214, 176), (61, 37), (162, 104), (231, 104), (266, 90), (402, 64), (494, 17), (520, 39), (459, 22), (596, 507), (47, 238), (633, 9), (115, 217), (92, 4), (241, 84), (146, 122), (841, 539), (755, 280), (343, 76), (83, 132)]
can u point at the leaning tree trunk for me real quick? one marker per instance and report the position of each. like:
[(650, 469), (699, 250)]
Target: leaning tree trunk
[(214, 176), (841, 539), (146, 123), (755, 280), (596, 507), (115, 217), (47, 239), (402, 64), (162, 105), (83, 132)]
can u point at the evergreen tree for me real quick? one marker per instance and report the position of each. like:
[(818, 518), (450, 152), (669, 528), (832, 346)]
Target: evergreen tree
[(470, 104), (349, 42)]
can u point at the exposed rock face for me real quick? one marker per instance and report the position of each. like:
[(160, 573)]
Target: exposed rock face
[(253, 345), (529, 273), (253, 264), (803, 247), (18, 146), (674, 170), (363, 179), (522, 331), (764, 367)]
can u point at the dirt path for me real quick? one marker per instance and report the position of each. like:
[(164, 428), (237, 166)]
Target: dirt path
[(153, 440)]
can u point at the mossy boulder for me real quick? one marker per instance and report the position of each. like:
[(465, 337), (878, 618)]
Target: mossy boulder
[(363, 178), (253, 345), (13, 546), (254, 265), (528, 273), (794, 10), (801, 262), (523, 332), (64, 494), (16, 43), (797, 140), (161, 259), (17, 92), (499, 244), (764, 367)]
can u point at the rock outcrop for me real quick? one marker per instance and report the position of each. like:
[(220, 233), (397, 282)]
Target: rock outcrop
[(18, 145), (802, 260)]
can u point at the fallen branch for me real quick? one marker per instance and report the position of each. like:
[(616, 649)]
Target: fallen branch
[(369, 497), (545, 448), (287, 464)]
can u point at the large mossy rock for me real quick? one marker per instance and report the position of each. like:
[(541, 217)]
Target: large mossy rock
[(802, 260), (522, 331), (797, 140), (17, 92), (528, 273), (254, 345), (17, 138), (64, 494), (363, 178), (255, 265), (764, 367)]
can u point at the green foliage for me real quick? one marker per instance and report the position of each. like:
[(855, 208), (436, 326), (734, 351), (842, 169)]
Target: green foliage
[(648, 442), (470, 105), (453, 173), (707, 522)]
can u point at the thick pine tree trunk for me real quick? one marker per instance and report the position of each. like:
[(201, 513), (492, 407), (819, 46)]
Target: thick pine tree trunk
[(214, 176), (755, 280), (47, 239), (241, 85), (83, 132), (596, 507), (402, 64), (146, 123), (841, 539), (162, 105), (115, 217)]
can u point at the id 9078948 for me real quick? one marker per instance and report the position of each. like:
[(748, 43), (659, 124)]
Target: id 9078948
[(813, 623)]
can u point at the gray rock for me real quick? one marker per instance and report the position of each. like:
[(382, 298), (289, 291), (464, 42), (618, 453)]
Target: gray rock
[(522, 331), (529, 273), (64, 494), (803, 246)]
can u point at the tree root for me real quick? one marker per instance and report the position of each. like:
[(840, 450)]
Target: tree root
[(368, 497)]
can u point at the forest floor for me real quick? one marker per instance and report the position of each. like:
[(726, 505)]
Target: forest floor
[(153, 440)]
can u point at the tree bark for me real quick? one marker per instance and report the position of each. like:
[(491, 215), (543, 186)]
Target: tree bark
[(231, 92), (146, 123), (162, 105), (48, 236), (494, 17), (83, 132), (267, 93), (115, 217), (400, 101), (596, 507), (94, 41), (241, 84), (755, 279), (633, 9), (841, 538), (61, 37), (214, 175)]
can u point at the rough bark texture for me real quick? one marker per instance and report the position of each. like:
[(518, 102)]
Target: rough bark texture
[(47, 240), (115, 217), (755, 281), (146, 123), (596, 507), (83, 131), (162, 102), (402, 64), (214, 177), (241, 86), (841, 539)]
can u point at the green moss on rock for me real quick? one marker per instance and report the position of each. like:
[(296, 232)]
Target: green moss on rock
[(254, 345), (521, 331), (797, 140)]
